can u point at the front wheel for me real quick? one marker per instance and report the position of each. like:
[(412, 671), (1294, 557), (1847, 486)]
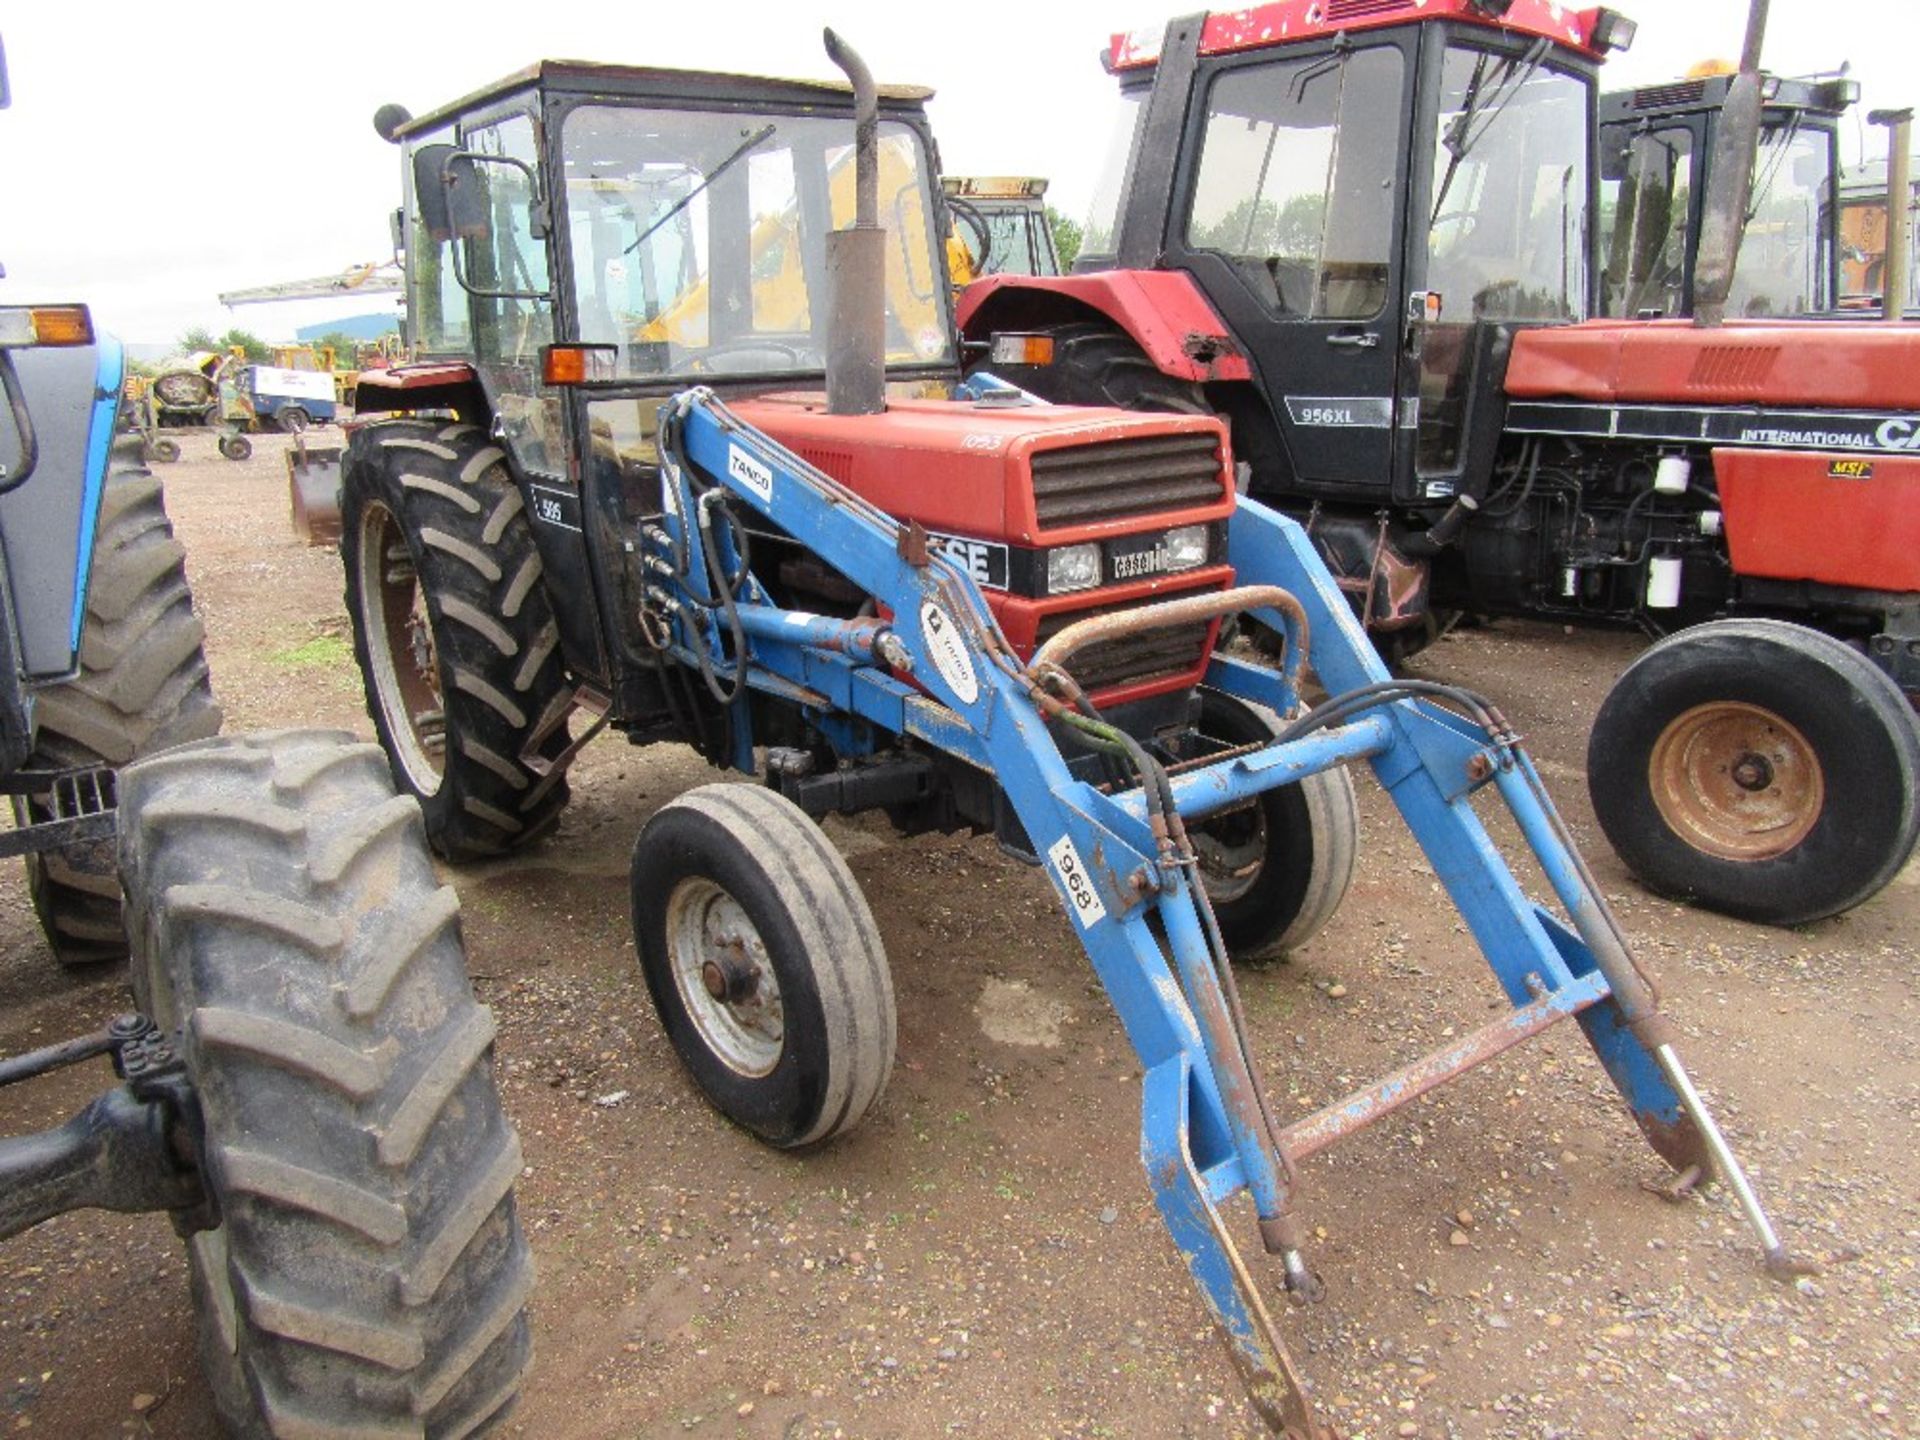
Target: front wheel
[(1276, 867), (367, 1274), (236, 447), (1759, 768), (763, 962)]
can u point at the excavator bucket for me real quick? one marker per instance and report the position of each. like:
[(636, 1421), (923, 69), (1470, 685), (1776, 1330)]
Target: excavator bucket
[(313, 492)]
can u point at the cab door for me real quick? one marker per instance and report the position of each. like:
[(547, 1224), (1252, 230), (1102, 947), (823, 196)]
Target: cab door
[(1294, 209)]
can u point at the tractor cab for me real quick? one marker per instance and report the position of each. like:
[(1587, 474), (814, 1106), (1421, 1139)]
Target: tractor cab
[(1656, 144), (662, 229), (1371, 197), (1000, 225)]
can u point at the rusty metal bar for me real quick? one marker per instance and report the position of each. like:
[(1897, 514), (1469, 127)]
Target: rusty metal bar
[(1896, 267), (1380, 1099), (1213, 605)]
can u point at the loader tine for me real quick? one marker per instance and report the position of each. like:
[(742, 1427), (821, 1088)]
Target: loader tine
[(1198, 1229)]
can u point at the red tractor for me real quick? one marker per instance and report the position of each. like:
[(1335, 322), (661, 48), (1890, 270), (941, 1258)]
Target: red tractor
[(1363, 231)]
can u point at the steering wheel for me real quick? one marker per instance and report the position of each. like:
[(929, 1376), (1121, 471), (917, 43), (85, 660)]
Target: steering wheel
[(966, 211), (703, 363)]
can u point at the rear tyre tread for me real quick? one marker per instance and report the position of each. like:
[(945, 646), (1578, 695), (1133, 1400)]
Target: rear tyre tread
[(500, 669), (357, 1148), (143, 686)]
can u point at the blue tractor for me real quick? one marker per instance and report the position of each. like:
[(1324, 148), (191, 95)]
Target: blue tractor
[(303, 1076)]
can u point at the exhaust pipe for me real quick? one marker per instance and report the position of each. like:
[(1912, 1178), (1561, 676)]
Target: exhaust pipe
[(1730, 179), (1897, 269), (857, 260)]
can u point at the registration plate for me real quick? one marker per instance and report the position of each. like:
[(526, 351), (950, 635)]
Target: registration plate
[(1137, 556)]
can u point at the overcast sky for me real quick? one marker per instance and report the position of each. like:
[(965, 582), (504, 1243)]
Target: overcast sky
[(150, 168)]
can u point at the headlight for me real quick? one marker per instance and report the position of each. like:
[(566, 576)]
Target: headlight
[(1186, 547), (1073, 567)]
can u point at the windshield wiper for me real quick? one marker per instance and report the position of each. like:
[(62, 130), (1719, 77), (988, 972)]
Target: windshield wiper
[(1461, 135), (753, 141), (1777, 145)]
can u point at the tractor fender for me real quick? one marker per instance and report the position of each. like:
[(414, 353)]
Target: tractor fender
[(434, 385), (1162, 310)]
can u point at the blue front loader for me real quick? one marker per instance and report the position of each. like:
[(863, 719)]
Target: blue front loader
[(1120, 858)]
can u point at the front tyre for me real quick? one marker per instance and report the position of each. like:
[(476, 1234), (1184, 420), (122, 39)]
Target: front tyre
[(763, 962), (1276, 867), (368, 1275), (1759, 768), (454, 632)]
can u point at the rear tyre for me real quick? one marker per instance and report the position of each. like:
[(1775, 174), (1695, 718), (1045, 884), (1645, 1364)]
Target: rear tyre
[(764, 963), (1277, 867), (1096, 364), (292, 420), (1759, 768), (368, 1274), (143, 686), (453, 630), (236, 447)]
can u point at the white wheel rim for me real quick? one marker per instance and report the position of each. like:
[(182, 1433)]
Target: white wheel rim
[(712, 944), (410, 719)]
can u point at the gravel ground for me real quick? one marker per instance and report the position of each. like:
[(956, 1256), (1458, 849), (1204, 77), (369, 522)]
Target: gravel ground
[(983, 1258)]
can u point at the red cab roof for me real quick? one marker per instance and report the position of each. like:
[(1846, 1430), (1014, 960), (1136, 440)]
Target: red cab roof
[(1289, 21)]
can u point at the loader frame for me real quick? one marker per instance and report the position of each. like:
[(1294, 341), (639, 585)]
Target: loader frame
[(1206, 1133)]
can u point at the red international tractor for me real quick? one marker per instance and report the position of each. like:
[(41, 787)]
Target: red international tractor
[(1364, 232)]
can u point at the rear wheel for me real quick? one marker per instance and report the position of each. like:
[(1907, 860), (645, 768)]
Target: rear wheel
[(454, 633), (143, 686), (1097, 364), (236, 447), (1277, 867), (1760, 768), (368, 1274), (763, 962), (292, 420)]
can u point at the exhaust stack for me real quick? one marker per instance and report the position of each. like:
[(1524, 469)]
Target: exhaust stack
[(856, 262), (1730, 179), (1897, 269)]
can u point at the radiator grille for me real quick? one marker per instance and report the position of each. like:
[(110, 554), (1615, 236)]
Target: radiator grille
[(1132, 659), (1119, 479)]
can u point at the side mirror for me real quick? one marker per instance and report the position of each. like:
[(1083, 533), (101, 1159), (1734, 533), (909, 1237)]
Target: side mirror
[(430, 191), (469, 200), (466, 191), (466, 197)]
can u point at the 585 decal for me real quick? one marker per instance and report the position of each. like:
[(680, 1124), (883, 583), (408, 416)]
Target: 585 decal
[(554, 507)]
